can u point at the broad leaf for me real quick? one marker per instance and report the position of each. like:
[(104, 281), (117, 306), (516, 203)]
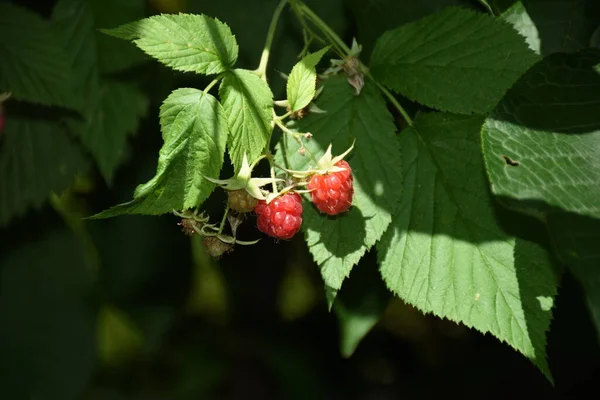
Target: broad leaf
[(518, 17), (575, 240), (114, 54), (455, 60), (446, 253), (33, 65), (248, 104), (109, 122), (564, 25), (36, 158), (112, 110), (541, 143), (184, 42), (302, 82), (194, 130), (337, 244), (360, 304), (374, 17), (48, 335)]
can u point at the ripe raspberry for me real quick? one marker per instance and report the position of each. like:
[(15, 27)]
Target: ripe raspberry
[(282, 217), (332, 192), (241, 201), (216, 247)]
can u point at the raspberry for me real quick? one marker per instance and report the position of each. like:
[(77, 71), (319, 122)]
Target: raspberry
[(282, 217), (2, 120), (216, 247), (241, 201), (332, 192)]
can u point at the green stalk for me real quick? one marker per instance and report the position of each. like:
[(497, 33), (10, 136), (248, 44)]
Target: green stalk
[(264, 58), (304, 10)]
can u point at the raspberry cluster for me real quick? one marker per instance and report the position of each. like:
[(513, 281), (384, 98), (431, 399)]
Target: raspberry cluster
[(278, 213)]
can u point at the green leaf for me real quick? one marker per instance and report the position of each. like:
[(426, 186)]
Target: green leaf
[(374, 17), (541, 143), (109, 122), (445, 251), (36, 158), (518, 17), (194, 128), (112, 110), (337, 244), (360, 305), (248, 104), (116, 55), (575, 240), (455, 60), (48, 335), (302, 82), (184, 42), (564, 26), (33, 65)]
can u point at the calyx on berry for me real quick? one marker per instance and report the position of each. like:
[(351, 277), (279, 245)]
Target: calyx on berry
[(243, 180), (326, 164)]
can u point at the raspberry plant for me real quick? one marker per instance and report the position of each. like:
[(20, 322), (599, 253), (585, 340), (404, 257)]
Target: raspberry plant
[(460, 148)]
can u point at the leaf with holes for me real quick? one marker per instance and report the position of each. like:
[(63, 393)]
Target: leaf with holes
[(195, 131), (455, 60), (337, 244), (248, 104), (33, 65), (446, 253), (301, 84), (184, 42), (541, 143)]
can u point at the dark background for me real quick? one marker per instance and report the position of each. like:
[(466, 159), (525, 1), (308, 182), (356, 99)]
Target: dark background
[(152, 317)]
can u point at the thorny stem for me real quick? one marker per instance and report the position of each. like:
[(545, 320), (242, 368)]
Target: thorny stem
[(303, 10), (264, 58)]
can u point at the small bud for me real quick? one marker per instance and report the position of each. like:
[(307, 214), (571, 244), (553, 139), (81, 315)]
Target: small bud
[(215, 247), (302, 151), (308, 136), (188, 225)]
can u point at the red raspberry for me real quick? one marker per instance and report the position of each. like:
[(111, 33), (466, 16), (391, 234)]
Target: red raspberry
[(332, 192), (282, 217), (2, 120), (241, 201)]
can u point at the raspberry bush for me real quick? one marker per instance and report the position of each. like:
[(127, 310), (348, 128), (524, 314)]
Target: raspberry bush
[(452, 147)]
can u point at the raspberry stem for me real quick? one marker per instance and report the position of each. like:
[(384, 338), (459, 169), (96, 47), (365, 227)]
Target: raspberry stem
[(264, 58), (213, 83), (302, 11), (223, 220), (297, 137)]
